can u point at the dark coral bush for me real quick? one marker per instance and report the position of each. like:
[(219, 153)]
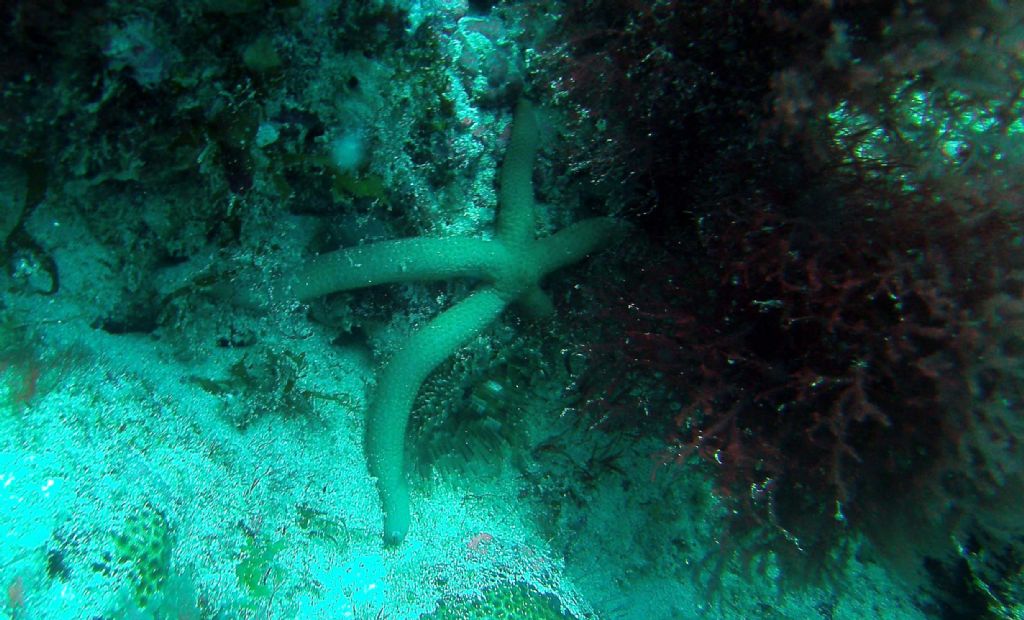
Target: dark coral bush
[(831, 319)]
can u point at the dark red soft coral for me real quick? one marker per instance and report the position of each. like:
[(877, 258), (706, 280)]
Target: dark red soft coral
[(851, 367)]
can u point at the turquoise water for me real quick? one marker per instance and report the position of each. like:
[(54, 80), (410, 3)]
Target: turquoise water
[(523, 309)]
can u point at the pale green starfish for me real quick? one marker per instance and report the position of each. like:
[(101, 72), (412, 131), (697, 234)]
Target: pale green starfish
[(510, 268)]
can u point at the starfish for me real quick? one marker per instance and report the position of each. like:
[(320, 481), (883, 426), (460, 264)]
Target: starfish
[(509, 267)]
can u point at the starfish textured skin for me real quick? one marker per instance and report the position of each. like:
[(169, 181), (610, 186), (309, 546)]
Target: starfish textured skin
[(510, 268)]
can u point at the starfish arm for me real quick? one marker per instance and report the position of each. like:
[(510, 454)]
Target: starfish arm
[(535, 303), (515, 225), (573, 243), (388, 415), (401, 260)]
